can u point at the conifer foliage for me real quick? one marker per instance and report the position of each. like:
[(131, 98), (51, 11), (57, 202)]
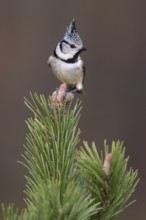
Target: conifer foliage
[(66, 182)]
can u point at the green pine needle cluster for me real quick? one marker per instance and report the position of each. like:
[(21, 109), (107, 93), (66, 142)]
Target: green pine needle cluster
[(111, 192), (66, 182)]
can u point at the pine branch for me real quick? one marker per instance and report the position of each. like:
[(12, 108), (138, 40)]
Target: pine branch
[(9, 213), (50, 149), (50, 202), (50, 159), (64, 182), (111, 191)]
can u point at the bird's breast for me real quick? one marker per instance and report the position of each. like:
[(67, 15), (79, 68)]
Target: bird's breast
[(71, 73)]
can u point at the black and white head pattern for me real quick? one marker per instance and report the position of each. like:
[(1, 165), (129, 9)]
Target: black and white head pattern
[(69, 48), (72, 35)]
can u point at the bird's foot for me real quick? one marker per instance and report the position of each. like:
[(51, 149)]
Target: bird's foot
[(61, 95)]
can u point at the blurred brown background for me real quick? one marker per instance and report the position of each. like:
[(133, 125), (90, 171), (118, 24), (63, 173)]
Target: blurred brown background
[(114, 107)]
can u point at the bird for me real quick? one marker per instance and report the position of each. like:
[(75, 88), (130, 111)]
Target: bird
[(66, 63)]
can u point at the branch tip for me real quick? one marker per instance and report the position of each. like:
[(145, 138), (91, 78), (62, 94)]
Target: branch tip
[(61, 97), (107, 162)]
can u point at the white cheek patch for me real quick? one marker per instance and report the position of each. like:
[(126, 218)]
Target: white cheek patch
[(65, 56), (66, 48)]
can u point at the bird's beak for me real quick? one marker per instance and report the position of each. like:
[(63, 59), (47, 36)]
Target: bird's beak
[(83, 49)]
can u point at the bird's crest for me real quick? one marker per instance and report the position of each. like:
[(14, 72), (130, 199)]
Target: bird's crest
[(72, 34)]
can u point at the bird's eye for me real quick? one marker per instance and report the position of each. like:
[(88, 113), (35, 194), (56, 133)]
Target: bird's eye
[(72, 46)]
